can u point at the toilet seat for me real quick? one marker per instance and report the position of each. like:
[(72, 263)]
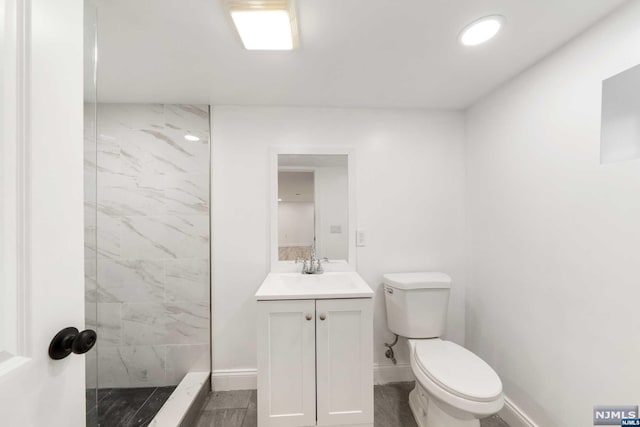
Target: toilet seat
[(445, 385), (457, 370)]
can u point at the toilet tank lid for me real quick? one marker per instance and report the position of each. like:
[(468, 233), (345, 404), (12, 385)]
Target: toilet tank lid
[(426, 280)]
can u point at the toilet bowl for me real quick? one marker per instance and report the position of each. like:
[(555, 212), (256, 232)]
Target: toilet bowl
[(454, 387)]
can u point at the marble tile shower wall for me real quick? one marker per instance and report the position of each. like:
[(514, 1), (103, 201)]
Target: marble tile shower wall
[(153, 243), (90, 241)]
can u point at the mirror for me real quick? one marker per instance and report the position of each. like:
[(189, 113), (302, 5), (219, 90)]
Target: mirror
[(620, 138), (312, 206)]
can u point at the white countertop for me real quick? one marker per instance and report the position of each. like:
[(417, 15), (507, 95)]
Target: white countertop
[(329, 285)]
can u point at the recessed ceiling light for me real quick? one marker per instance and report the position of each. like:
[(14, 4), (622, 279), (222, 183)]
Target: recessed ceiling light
[(264, 29), (190, 137), (265, 24), (481, 30), (279, 200)]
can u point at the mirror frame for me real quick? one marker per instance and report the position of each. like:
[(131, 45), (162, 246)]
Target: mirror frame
[(278, 266)]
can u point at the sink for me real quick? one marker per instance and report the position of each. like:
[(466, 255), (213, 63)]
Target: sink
[(329, 281), (279, 286)]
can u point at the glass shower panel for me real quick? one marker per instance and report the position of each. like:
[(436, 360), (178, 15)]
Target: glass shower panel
[(147, 243), (90, 204)]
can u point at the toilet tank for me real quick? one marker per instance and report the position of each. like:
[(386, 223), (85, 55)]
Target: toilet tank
[(417, 303)]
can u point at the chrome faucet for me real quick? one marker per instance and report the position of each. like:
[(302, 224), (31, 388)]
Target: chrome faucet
[(313, 265)]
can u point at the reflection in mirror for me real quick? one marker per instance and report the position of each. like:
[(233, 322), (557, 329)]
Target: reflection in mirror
[(313, 206), (620, 138)]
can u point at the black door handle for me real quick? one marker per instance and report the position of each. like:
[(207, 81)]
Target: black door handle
[(69, 340)]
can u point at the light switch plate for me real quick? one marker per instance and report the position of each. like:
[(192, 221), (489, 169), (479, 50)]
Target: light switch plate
[(359, 237)]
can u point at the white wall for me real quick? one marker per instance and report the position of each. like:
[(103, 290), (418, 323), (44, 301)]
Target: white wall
[(295, 186), (553, 289), (295, 223), (332, 210), (410, 180)]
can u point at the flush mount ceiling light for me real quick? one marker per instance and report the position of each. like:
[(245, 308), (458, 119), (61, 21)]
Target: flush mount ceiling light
[(190, 137), (265, 24), (482, 30)]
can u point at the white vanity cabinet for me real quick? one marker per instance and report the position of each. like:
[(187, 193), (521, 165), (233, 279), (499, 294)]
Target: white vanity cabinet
[(315, 362), (286, 363), (344, 362)]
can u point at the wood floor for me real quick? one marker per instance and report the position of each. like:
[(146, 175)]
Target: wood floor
[(391, 402)]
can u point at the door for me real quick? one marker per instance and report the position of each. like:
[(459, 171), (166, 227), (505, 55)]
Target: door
[(344, 351), (286, 363), (41, 219)]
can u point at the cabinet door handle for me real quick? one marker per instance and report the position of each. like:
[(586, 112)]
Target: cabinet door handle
[(323, 316), (308, 316)]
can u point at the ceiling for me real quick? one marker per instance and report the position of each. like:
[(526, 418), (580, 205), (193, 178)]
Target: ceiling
[(354, 53)]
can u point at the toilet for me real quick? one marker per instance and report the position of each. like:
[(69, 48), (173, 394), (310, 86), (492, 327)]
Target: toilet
[(454, 387)]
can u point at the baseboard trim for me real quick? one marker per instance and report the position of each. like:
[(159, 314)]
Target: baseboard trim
[(514, 416), (234, 379), (246, 379), (385, 374)]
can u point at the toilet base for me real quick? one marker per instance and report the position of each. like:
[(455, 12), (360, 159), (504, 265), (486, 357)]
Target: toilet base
[(430, 413)]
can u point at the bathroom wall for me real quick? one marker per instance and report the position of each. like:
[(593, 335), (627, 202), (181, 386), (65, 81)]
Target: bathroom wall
[(553, 291), (332, 209), (153, 243), (295, 223), (409, 173)]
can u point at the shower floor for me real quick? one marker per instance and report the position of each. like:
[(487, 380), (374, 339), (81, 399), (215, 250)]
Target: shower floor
[(125, 407)]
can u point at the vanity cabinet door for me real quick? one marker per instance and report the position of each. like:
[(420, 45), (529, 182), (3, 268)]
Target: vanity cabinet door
[(286, 363), (344, 352)]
